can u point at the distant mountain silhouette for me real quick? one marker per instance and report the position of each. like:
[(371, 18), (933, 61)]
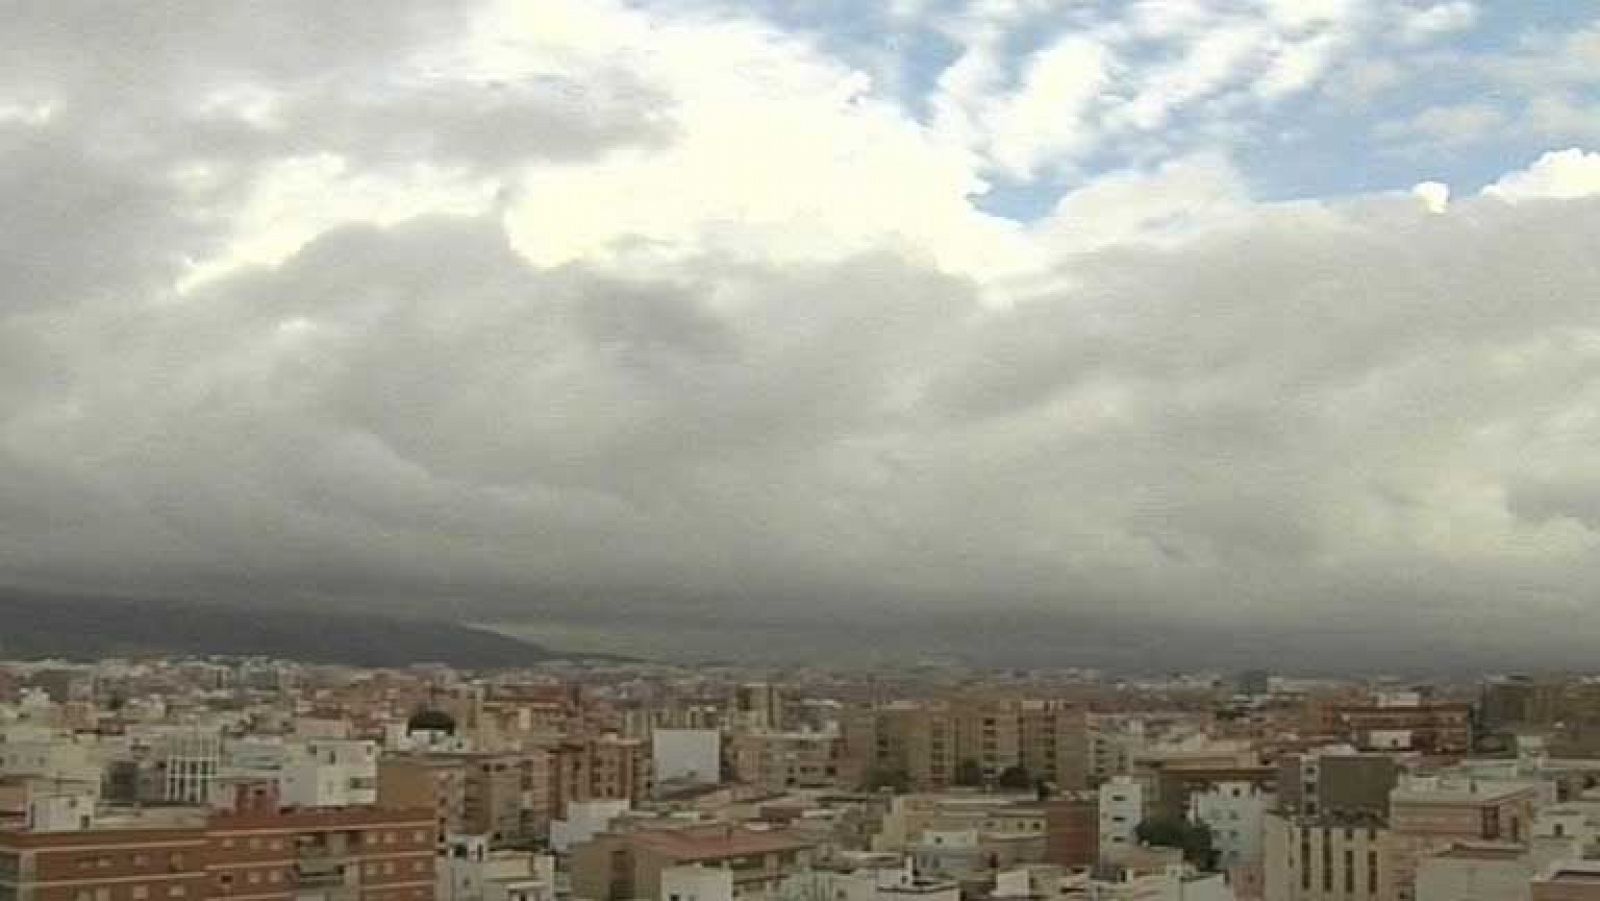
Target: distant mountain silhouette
[(37, 624)]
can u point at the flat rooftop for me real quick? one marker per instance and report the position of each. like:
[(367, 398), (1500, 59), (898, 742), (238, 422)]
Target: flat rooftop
[(696, 844)]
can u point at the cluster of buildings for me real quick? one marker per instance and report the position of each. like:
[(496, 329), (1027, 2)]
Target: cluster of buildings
[(251, 780)]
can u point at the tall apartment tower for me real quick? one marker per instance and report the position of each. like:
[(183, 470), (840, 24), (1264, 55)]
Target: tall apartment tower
[(758, 707)]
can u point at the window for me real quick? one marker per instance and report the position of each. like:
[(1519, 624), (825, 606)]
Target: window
[(226, 879), (275, 877), (254, 877), (176, 891), (139, 892)]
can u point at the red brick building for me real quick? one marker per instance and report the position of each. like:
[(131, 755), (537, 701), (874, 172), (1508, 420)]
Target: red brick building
[(340, 855)]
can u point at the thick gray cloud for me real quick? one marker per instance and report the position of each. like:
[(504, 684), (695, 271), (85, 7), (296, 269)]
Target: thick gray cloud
[(1334, 420)]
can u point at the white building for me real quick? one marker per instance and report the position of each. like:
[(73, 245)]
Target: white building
[(696, 883), (60, 806), (470, 871), (189, 760), (48, 756), (1121, 811), (885, 877), (1476, 873), (948, 853), (1316, 860), (1175, 884), (585, 820), (1234, 812), (330, 773), (687, 755)]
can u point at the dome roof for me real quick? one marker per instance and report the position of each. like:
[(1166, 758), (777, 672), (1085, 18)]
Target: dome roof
[(427, 720)]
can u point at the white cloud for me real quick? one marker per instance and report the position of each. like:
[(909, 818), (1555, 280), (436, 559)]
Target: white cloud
[(1175, 201), (746, 103), (1435, 196), (294, 200), (1297, 66), (1044, 119), (1211, 62), (1431, 22), (1564, 174)]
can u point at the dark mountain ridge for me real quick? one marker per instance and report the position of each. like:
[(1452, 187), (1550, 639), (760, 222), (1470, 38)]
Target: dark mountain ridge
[(35, 625)]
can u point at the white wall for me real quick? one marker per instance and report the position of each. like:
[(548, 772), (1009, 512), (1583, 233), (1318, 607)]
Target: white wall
[(693, 755), (1121, 810), (330, 773), (1234, 812), (1457, 879), (696, 883), (584, 820)]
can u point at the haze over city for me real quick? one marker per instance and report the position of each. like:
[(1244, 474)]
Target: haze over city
[(1115, 333)]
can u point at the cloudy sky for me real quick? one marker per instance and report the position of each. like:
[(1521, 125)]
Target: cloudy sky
[(1268, 317)]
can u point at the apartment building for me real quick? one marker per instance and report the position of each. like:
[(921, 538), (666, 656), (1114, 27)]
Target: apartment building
[(330, 773), (325, 855), (778, 761), (1322, 859), (1337, 781), (929, 746), (110, 864), (1430, 815), (1122, 807), (252, 855), (757, 707), (507, 796), (1475, 872), (1434, 729), (605, 767), (1235, 812), (621, 867), (438, 784), (1072, 830)]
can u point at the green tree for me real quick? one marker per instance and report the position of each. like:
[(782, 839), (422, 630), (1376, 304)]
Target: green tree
[(968, 773), (1194, 839), (1015, 778)]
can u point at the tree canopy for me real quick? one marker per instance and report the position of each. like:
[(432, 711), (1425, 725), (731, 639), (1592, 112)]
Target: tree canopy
[(1194, 839)]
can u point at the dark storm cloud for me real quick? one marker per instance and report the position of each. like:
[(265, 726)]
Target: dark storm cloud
[(1322, 414)]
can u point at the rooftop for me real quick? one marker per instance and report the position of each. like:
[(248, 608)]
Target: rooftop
[(717, 844), (1483, 852)]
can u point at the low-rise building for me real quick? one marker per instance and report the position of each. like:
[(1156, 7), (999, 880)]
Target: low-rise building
[(625, 866)]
